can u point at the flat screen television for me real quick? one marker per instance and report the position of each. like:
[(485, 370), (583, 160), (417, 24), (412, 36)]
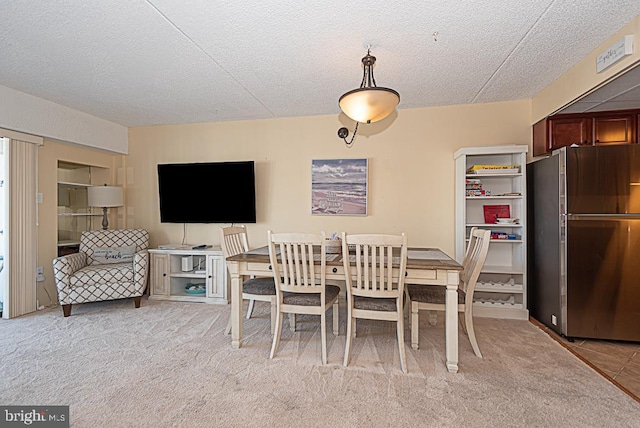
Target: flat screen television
[(213, 192)]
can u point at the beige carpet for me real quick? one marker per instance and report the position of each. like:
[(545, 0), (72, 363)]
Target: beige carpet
[(169, 364)]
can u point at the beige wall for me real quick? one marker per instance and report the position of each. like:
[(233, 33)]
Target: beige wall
[(410, 164), (411, 169), (582, 78), (410, 172), (48, 156)]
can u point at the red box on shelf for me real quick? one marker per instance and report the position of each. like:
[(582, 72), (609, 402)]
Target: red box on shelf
[(492, 212)]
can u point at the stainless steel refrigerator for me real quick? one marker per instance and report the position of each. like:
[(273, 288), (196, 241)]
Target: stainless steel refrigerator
[(584, 241)]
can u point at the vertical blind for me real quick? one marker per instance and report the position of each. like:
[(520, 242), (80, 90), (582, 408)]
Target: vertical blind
[(22, 235)]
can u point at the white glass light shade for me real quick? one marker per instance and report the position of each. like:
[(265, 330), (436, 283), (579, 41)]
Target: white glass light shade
[(105, 196), (367, 105)]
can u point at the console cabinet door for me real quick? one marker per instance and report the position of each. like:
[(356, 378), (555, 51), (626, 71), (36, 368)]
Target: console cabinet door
[(216, 277), (160, 281), (618, 129)]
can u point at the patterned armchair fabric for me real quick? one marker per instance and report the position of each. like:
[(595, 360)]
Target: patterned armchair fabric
[(80, 278)]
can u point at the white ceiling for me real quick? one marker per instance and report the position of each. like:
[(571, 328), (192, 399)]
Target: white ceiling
[(150, 62)]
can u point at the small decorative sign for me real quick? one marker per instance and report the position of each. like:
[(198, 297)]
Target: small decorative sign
[(110, 255), (615, 53)]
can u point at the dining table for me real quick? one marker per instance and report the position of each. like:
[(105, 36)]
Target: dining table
[(427, 266)]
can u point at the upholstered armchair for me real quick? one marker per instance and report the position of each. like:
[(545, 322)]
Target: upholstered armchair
[(111, 264)]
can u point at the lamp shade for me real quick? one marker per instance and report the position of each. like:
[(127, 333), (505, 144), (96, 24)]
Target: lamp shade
[(105, 196), (368, 105)]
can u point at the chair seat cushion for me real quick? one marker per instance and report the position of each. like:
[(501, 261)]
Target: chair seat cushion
[(374, 304), (311, 299), (431, 294), (261, 286), (102, 274)]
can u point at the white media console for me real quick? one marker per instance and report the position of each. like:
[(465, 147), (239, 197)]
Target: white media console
[(173, 271)]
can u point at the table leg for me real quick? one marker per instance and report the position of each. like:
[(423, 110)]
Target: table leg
[(236, 305), (451, 316)]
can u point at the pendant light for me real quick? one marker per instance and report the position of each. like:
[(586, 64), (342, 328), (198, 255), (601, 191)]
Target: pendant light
[(368, 103)]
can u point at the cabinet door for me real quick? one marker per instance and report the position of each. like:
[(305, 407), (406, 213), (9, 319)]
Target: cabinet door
[(216, 277), (567, 131), (618, 129), (540, 138), (159, 278)]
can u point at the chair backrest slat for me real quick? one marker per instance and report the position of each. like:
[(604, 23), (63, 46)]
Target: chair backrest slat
[(389, 271), (312, 266), (365, 263), (375, 276)]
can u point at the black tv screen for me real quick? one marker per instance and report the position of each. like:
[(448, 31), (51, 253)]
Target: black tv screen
[(214, 192)]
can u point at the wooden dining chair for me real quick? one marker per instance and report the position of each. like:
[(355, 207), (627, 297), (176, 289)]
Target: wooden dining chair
[(432, 297), (234, 240), (300, 282), (374, 277)]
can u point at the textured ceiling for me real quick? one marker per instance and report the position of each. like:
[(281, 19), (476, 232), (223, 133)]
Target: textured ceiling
[(151, 62)]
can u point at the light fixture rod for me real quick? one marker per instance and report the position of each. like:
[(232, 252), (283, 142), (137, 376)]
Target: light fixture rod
[(368, 81)]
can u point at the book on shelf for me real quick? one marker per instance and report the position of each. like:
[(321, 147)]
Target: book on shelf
[(493, 212), (502, 235), (493, 169), (479, 192), (473, 187)]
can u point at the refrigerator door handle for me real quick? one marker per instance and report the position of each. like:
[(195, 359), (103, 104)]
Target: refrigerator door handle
[(602, 216)]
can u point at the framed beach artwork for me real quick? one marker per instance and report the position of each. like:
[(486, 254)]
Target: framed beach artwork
[(339, 186)]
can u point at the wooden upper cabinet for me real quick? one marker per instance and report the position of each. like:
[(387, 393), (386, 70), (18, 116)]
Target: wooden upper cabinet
[(568, 131), (617, 129), (612, 127), (552, 133), (540, 138)]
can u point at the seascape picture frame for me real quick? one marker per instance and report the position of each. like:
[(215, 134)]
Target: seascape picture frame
[(339, 187)]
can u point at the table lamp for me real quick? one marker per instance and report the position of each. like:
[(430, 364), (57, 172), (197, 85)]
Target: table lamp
[(105, 197)]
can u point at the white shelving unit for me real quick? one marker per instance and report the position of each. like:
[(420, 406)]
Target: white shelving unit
[(74, 214), (168, 279), (501, 291)]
